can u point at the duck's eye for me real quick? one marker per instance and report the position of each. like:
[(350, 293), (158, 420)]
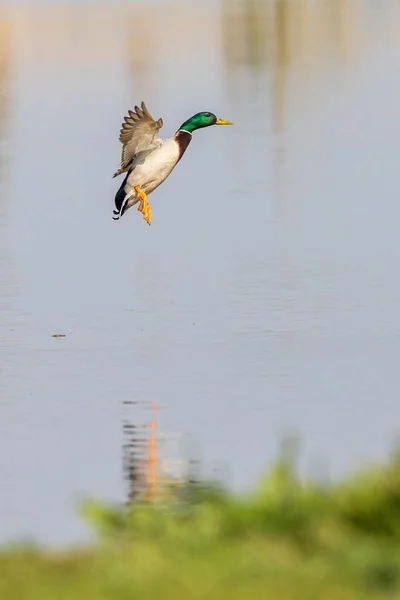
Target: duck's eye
[(208, 114)]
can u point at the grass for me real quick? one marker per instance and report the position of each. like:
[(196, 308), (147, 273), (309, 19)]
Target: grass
[(287, 538)]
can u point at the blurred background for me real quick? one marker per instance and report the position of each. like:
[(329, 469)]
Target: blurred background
[(264, 298)]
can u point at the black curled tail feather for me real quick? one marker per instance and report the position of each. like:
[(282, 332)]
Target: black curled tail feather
[(119, 199)]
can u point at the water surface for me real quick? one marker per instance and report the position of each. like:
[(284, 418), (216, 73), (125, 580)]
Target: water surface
[(264, 297)]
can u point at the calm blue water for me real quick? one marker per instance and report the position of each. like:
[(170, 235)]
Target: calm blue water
[(264, 297)]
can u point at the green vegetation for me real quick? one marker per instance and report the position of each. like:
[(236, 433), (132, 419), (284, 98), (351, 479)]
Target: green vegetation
[(287, 539)]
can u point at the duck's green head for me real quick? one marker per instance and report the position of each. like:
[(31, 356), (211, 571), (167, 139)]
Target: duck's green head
[(202, 119)]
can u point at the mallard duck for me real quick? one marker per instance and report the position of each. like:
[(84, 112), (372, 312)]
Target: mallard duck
[(147, 160)]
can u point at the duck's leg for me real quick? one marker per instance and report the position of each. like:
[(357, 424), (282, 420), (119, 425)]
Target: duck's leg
[(144, 206)]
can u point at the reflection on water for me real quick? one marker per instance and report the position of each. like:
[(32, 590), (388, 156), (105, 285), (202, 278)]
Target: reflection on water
[(263, 298)]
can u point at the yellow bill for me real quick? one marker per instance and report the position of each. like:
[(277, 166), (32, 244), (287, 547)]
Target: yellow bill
[(223, 122)]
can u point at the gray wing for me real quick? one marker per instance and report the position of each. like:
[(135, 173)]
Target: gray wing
[(139, 133)]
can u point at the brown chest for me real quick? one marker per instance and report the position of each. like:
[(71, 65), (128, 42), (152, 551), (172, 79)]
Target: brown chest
[(183, 139)]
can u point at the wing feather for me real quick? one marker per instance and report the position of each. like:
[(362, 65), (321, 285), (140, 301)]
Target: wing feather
[(139, 133)]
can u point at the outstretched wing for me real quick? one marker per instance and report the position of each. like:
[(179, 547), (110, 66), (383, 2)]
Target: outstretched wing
[(139, 133)]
